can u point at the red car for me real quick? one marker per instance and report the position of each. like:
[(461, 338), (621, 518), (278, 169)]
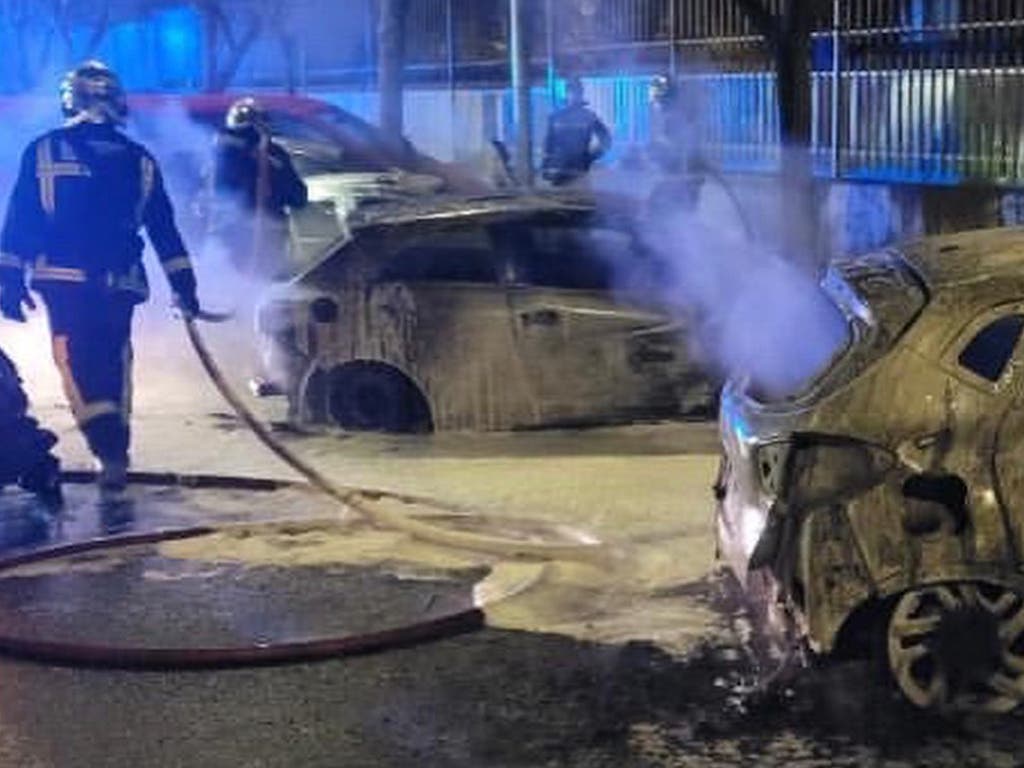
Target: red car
[(323, 138)]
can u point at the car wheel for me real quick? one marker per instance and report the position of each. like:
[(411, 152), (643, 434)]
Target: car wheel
[(373, 397), (959, 647)]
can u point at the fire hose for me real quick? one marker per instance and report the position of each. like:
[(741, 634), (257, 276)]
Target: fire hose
[(356, 498), (80, 654)]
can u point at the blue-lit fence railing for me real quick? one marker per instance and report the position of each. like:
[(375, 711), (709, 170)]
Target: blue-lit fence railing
[(934, 127)]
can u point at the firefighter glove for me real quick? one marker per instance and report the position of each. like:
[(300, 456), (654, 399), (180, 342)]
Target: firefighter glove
[(183, 284), (13, 295)]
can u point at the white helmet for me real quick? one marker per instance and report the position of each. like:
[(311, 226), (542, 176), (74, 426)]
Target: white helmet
[(245, 113), (92, 92)]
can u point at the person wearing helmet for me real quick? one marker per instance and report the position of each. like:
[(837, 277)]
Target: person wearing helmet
[(257, 175), (83, 193), (664, 148), (673, 146), (575, 139)]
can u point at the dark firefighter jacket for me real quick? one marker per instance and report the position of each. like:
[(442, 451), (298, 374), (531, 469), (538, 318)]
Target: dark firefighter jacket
[(568, 145), (237, 172), (82, 194)]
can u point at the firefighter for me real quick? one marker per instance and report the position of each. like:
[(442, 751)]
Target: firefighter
[(673, 148), (25, 457), (257, 176), (575, 139), (663, 148), (82, 195)]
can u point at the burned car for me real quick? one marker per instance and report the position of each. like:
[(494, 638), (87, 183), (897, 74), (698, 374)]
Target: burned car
[(490, 313), (880, 505)]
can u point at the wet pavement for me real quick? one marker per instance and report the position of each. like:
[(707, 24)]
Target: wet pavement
[(498, 697), (645, 659)]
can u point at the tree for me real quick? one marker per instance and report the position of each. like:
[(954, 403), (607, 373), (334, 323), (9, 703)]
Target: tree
[(788, 34), (390, 64), (231, 28), (34, 27)]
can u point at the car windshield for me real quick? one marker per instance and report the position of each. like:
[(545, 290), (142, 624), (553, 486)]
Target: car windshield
[(876, 297), (880, 297)]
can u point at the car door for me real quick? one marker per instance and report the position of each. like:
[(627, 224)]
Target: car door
[(437, 310), (980, 448), (590, 354), (1008, 450)]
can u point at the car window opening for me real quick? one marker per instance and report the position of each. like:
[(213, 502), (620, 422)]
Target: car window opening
[(990, 351), (553, 255), (450, 256)]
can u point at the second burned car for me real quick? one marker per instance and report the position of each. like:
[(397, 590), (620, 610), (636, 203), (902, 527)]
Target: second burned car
[(494, 313), (877, 508)]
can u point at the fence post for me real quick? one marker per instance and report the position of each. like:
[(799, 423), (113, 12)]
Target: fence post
[(549, 30), (837, 88), (672, 6)]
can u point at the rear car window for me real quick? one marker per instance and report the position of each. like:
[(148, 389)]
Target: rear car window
[(877, 297), (989, 352)]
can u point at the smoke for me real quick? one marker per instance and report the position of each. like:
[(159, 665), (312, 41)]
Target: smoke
[(184, 150), (752, 310)]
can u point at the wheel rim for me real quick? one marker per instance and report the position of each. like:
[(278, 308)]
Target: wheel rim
[(959, 647)]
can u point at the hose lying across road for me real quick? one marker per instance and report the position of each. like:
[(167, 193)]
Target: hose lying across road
[(357, 499)]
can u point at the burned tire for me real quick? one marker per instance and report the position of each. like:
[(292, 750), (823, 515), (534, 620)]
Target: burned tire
[(374, 397), (959, 647)]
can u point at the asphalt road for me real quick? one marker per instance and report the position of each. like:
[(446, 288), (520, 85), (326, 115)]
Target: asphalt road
[(641, 659)]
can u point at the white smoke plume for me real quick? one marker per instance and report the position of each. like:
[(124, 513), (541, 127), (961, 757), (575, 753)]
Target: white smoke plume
[(751, 309)]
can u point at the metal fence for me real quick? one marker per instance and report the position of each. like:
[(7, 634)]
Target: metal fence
[(916, 90)]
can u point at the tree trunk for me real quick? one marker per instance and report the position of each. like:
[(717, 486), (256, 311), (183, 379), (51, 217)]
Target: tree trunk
[(210, 42), (390, 65), (789, 37), (800, 202), (519, 50)]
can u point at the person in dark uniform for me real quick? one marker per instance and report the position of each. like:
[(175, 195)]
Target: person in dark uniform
[(575, 139), (674, 148), (82, 195), (25, 451), (257, 175)]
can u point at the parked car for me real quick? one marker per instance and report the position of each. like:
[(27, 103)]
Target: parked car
[(881, 504), (501, 312)]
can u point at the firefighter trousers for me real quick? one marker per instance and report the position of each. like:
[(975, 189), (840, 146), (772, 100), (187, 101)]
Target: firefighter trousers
[(90, 328)]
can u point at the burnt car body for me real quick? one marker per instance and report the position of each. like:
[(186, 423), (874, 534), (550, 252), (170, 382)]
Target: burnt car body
[(484, 313), (881, 506)]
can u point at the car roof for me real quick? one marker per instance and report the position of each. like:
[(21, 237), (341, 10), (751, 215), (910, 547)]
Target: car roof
[(452, 208), (219, 102), (460, 207), (976, 258)]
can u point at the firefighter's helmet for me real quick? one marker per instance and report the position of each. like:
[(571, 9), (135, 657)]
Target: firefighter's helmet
[(247, 113), (660, 89), (92, 92)]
